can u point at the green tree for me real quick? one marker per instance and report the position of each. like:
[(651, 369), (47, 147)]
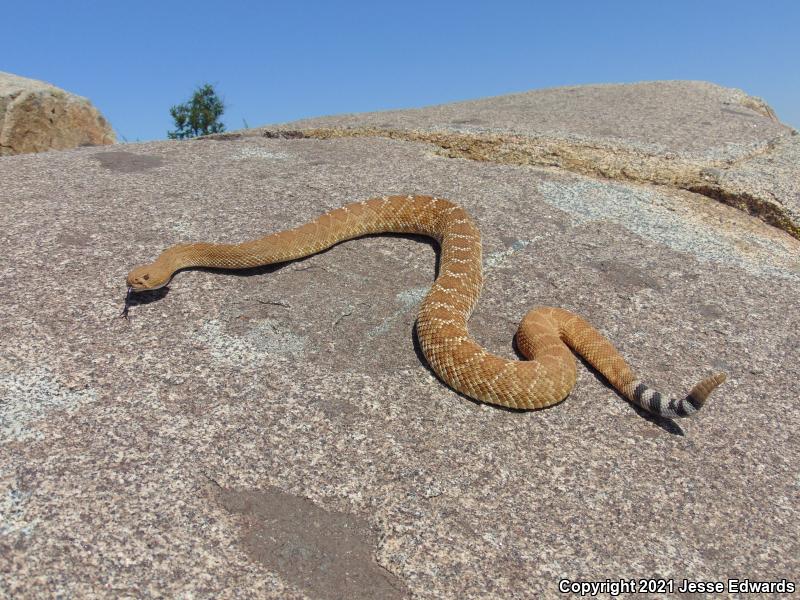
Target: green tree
[(198, 116)]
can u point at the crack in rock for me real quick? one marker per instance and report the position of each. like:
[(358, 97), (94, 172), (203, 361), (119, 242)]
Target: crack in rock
[(637, 163)]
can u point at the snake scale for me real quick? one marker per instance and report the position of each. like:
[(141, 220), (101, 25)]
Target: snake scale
[(545, 335)]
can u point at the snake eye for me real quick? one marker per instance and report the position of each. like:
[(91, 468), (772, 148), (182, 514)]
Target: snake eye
[(146, 276)]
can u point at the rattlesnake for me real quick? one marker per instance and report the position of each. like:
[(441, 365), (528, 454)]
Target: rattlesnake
[(545, 334)]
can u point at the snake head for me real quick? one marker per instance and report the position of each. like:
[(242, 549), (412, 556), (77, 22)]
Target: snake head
[(148, 277)]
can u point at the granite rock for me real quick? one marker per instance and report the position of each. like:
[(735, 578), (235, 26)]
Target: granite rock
[(36, 116), (275, 433), (688, 135)]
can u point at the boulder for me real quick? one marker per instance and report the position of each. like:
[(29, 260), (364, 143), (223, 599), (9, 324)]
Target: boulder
[(275, 433), (691, 135), (36, 116)]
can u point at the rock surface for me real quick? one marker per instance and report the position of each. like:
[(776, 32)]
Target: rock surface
[(690, 135), (36, 116), (275, 433)]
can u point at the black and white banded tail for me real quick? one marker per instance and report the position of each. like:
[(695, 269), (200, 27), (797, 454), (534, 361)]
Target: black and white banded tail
[(654, 402)]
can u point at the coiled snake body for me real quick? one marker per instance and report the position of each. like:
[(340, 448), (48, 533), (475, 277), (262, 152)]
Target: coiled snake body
[(545, 334)]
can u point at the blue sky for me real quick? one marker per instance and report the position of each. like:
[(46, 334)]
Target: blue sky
[(277, 61)]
